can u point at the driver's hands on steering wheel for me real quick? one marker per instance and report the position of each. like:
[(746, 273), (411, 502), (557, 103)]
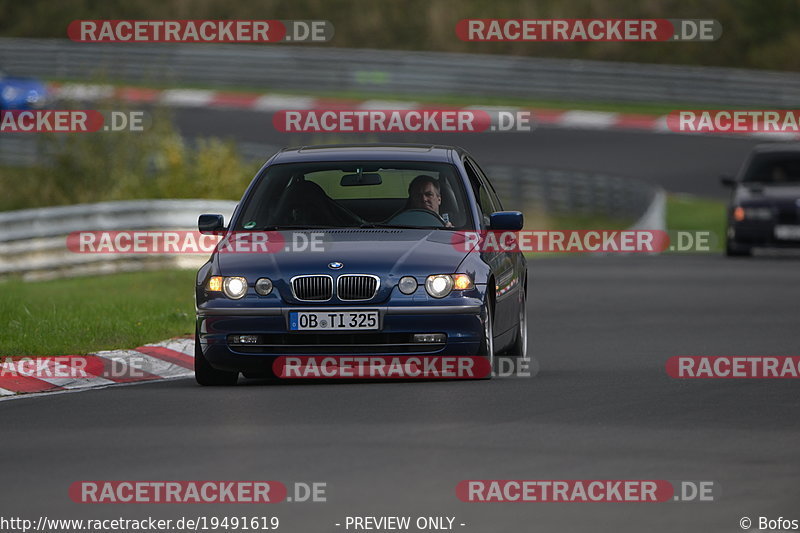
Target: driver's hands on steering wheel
[(445, 221)]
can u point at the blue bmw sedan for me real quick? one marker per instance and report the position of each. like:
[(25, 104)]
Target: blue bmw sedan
[(371, 262)]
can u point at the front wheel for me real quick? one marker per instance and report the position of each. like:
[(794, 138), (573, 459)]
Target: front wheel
[(205, 374), (486, 349), (520, 346), (732, 249)]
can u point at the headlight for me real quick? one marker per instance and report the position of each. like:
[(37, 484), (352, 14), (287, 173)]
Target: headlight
[(752, 213), (264, 286), (234, 287), (439, 285), (407, 285)]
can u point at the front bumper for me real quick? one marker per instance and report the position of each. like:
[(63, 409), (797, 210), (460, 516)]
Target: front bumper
[(462, 324), (759, 234)]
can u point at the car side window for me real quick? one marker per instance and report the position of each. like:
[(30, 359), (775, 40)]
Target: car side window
[(482, 192), (498, 206)]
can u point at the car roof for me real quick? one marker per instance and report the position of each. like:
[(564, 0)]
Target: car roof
[(369, 152)]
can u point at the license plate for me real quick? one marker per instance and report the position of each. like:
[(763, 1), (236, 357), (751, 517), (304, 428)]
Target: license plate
[(788, 233), (332, 320)]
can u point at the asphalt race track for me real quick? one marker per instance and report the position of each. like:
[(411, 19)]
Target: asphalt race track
[(679, 163), (602, 407)]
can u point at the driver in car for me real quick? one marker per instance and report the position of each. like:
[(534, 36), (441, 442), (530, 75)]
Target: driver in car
[(424, 193)]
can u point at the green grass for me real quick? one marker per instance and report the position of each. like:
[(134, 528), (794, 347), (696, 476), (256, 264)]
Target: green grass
[(694, 213), (81, 315)]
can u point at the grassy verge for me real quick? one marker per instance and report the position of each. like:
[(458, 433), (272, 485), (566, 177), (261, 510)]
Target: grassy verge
[(75, 316), (693, 214)]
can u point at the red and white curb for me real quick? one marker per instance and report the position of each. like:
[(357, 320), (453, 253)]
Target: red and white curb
[(21, 376), (574, 119)]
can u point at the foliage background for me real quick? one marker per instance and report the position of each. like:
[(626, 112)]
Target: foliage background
[(760, 34)]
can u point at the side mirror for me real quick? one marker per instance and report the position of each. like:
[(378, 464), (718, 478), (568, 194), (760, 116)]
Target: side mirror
[(506, 220), (727, 181), (210, 223)]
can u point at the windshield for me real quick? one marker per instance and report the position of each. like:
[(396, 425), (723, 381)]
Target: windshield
[(775, 169), (357, 194)]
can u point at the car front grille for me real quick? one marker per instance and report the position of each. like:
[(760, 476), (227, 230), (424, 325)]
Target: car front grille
[(356, 287), (313, 288)]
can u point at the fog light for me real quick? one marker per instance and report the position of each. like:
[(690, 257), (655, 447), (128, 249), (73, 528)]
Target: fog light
[(245, 339), (407, 285), (429, 337), (264, 286)]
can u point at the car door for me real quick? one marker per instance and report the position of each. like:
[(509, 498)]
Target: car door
[(504, 265)]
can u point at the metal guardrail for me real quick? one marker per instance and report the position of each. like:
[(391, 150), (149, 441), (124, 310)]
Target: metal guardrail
[(33, 242), (289, 67)]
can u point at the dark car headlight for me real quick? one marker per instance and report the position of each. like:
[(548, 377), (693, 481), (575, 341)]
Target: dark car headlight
[(408, 284), (264, 286), (752, 213)]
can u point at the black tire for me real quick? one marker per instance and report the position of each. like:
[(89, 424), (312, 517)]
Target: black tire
[(486, 349), (520, 346), (737, 250), (207, 375)]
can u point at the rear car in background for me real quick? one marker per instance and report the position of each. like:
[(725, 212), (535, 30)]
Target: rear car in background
[(388, 279), (764, 209), (21, 93)]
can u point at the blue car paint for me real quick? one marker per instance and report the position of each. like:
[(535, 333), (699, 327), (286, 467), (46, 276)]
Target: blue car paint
[(21, 93)]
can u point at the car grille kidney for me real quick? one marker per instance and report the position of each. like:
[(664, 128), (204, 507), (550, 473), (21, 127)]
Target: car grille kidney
[(313, 288), (356, 287)]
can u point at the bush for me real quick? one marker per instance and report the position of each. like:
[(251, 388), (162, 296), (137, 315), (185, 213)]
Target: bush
[(105, 165)]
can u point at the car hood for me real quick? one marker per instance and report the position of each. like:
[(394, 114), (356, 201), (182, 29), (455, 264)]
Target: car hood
[(384, 252)]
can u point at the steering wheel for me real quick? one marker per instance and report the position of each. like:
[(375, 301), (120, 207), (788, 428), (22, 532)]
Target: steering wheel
[(417, 217)]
